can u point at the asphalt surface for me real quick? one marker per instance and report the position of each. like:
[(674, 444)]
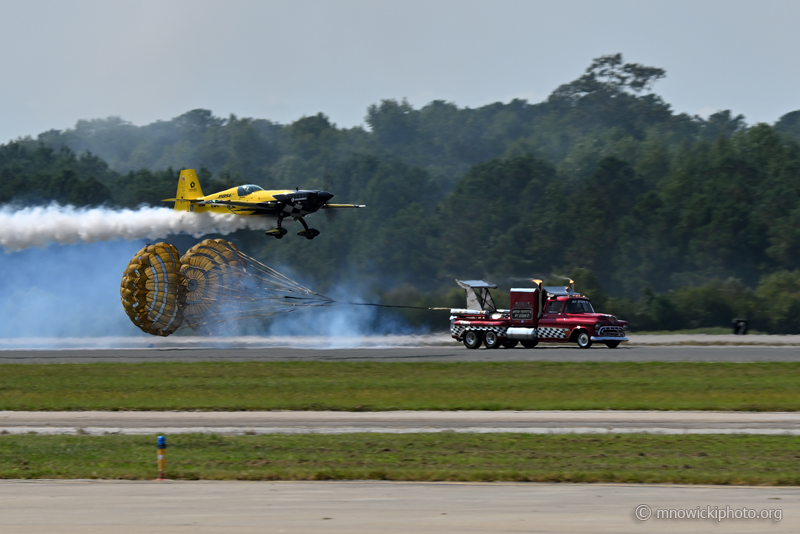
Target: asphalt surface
[(454, 353), (88, 507), (308, 422)]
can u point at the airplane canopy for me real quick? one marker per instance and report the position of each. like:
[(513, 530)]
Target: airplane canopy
[(245, 190)]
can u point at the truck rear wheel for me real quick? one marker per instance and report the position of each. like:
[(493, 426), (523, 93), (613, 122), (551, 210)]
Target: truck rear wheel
[(473, 339), (490, 340), (583, 339), (529, 343)]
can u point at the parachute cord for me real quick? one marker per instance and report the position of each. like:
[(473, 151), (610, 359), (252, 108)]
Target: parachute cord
[(387, 305), (273, 273), (260, 313), (262, 293)]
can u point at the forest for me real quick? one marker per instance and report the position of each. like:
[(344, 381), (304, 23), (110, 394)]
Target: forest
[(668, 220)]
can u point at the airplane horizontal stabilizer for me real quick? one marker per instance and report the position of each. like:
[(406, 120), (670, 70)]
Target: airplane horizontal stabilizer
[(341, 206)]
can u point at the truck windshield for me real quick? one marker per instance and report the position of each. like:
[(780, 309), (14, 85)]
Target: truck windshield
[(579, 306)]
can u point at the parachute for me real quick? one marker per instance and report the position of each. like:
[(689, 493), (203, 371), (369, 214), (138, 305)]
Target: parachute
[(214, 273), (151, 290), (209, 289)]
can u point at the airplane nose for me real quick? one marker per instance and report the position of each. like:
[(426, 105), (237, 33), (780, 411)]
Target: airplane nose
[(323, 197)]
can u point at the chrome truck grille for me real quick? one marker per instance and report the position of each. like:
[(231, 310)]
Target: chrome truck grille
[(611, 331)]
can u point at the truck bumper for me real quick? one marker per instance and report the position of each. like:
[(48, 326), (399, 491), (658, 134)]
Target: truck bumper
[(609, 338)]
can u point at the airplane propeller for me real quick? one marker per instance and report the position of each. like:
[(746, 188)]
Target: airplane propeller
[(327, 184)]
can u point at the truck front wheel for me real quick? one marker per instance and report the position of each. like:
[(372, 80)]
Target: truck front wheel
[(583, 339), (529, 343), (473, 339)]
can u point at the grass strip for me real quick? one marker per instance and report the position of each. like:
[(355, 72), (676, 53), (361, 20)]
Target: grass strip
[(379, 386), (401, 386), (695, 459)]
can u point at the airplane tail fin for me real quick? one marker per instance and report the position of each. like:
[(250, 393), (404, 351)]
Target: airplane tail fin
[(188, 189)]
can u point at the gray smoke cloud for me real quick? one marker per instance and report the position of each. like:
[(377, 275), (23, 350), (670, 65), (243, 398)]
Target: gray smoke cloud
[(42, 225), (341, 325), (68, 297), (72, 292)]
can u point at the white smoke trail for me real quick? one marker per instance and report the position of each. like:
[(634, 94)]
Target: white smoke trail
[(40, 226)]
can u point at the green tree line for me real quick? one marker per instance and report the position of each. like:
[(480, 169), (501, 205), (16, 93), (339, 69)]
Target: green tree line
[(661, 209)]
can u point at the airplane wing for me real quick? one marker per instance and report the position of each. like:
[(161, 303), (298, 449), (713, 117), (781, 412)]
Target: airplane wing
[(253, 205), (342, 206)]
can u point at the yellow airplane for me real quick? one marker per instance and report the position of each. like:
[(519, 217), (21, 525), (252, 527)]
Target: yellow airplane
[(253, 201)]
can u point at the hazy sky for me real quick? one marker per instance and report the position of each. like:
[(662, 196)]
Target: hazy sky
[(64, 60)]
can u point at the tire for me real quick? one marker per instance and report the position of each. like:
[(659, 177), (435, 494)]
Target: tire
[(583, 339), (473, 339), (612, 344), (530, 343), (490, 340), (509, 343)]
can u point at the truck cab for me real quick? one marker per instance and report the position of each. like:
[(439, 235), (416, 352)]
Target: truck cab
[(570, 316)]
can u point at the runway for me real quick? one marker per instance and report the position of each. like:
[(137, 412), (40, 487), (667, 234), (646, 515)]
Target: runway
[(94, 507), (405, 422), (450, 353)]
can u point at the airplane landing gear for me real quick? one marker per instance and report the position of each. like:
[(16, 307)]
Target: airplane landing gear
[(311, 233), (308, 233), (278, 232)]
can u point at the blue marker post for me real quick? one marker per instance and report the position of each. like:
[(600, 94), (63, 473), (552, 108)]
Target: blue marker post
[(162, 456)]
